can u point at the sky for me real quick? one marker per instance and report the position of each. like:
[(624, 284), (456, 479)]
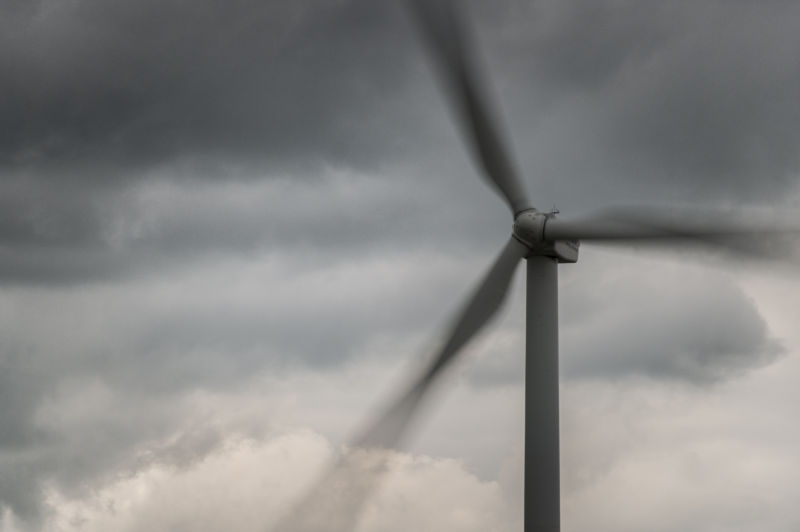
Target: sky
[(228, 230)]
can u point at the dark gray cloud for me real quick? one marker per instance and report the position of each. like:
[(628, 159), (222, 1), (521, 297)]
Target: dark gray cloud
[(686, 327), (55, 236), (606, 104), (103, 87), (640, 319), (689, 100), (99, 97)]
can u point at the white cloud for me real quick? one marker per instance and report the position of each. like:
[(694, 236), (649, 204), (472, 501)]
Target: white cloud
[(643, 456), (247, 484)]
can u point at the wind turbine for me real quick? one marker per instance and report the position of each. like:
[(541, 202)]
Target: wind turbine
[(544, 241)]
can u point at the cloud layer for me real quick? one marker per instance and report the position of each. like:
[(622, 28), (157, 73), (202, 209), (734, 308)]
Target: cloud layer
[(226, 227)]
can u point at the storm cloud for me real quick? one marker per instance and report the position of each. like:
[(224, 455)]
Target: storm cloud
[(699, 327), (225, 225), (682, 102)]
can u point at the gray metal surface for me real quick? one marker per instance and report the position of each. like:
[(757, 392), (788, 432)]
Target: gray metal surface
[(542, 481)]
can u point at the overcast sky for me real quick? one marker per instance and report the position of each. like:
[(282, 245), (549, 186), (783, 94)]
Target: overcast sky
[(227, 229)]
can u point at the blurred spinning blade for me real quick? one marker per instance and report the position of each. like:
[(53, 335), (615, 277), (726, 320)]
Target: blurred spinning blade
[(743, 234), (446, 32), (334, 503)]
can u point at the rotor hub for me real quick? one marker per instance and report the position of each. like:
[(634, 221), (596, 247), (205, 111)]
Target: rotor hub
[(529, 228)]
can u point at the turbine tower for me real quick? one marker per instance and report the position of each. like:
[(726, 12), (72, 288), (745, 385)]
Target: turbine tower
[(544, 241)]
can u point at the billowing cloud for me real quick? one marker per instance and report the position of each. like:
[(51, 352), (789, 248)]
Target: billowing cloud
[(246, 483), (698, 327), (647, 457)]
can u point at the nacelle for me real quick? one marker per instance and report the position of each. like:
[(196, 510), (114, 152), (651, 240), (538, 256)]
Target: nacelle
[(529, 229)]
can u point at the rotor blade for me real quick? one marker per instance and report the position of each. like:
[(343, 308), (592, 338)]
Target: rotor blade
[(749, 234), (445, 30), (335, 501), (387, 429)]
